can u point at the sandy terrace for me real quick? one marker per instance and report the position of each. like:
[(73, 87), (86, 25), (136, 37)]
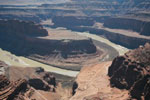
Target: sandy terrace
[(121, 31), (94, 82), (62, 34)]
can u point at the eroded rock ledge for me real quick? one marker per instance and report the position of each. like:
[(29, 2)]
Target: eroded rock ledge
[(8, 90), (132, 72), (126, 78), (17, 83), (130, 24), (23, 39), (92, 83)]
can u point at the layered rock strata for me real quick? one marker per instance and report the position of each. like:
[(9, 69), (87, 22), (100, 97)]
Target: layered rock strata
[(132, 72), (8, 90)]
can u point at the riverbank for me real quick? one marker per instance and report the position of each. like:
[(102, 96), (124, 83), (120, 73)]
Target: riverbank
[(13, 60), (119, 48)]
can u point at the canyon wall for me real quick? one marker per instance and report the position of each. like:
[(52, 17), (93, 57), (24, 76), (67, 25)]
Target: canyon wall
[(139, 26), (85, 25), (30, 40), (21, 28), (9, 90), (71, 21), (125, 78), (20, 83), (132, 72), (126, 41), (26, 33), (129, 15)]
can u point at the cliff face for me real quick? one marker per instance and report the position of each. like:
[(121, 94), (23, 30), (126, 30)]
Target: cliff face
[(26, 33), (76, 13), (28, 39), (8, 90), (44, 81), (127, 77), (21, 28), (139, 26), (132, 72), (119, 5), (92, 83), (126, 41), (27, 83), (71, 21)]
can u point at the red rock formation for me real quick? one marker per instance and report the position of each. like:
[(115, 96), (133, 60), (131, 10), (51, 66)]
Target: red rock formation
[(132, 72), (36, 77), (92, 83), (50, 79), (22, 28), (25, 37), (130, 24), (129, 73), (38, 84), (8, 90)]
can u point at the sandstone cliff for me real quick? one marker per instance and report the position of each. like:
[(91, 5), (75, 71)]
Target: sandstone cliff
[(24, 39), (27, 33), (92, 83), (9, 90), (18, 83), (127, 77), (132, 72), (139, 26), (126, 41)]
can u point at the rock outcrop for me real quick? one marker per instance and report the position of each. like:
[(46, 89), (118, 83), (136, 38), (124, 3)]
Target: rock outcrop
[(19, 83), (71, 21), (30, 41), (3, 68), (50, 79), (43, 81), (139, 26), (77, 13), (39, 80), (126, 41), (27, 33), (9, 90), (21, 28), (127, 77), (132, 72), (38, 84), (92, 83)]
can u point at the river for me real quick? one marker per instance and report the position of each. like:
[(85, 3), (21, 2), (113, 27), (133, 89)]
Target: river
[(13, 60)]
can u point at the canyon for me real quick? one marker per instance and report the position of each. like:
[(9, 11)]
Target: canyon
[(74, 50), (126, 77), (23, 83), (81, 16), (105, 81), (58, 52), (131, 72)]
